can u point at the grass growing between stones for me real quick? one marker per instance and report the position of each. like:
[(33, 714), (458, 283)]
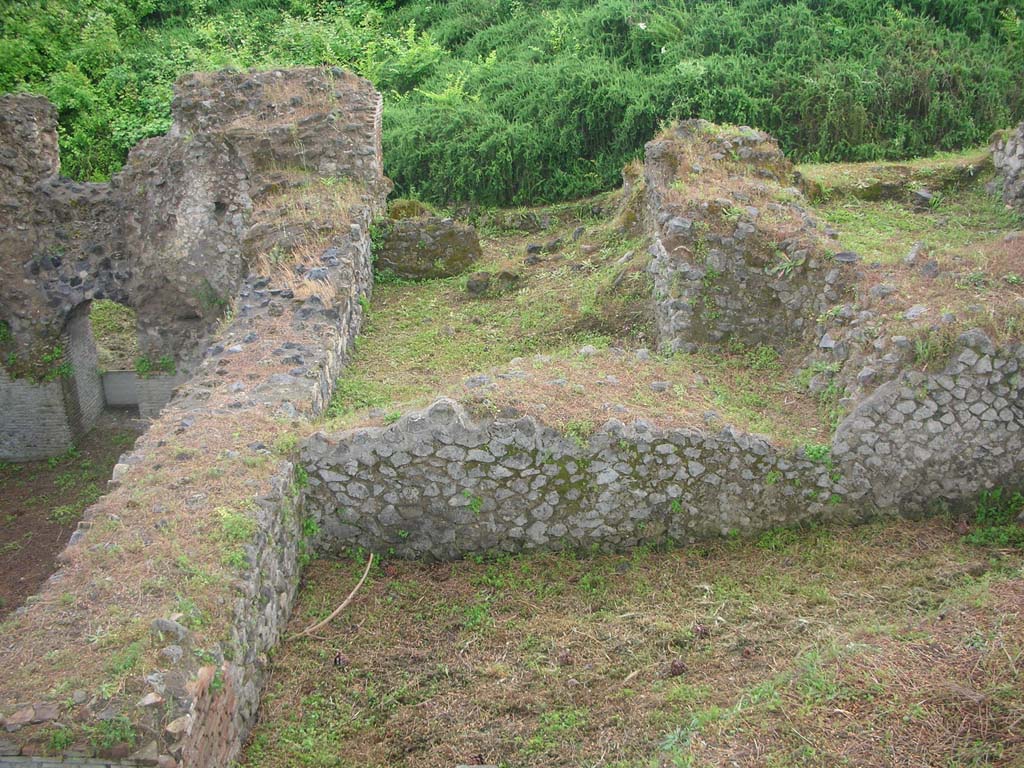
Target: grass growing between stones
[(794, 649), (958, 260)]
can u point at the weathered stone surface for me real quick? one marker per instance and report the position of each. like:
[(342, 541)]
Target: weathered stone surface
[(1008, 158), (425, 247), (927, 441), (723, 271), (170, 234), (211, 698), (440, 484)]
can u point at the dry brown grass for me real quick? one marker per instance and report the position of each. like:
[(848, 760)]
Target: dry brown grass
[(288, 101), (794, 650), (304, 214), (157, 546)]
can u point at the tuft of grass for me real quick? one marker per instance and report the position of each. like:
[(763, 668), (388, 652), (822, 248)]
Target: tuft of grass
[(996, 520)]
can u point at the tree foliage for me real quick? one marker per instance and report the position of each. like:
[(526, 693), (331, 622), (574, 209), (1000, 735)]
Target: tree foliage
[(513, 101)]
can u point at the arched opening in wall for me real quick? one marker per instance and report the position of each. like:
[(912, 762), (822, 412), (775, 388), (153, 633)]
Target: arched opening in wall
[(101, 353), (115, 333)]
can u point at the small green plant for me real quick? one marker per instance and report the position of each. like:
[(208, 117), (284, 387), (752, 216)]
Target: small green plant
[(146, 367), (772, 477), (710, 276), (64, 515), (820, 453), (732, 214), (236, 529), (1013, 279), (476, 504), (786, 265), (392, 417), (54, 364), (995, 520), (217, 684), (107, 734), (126, 659), (310, 528), (477, 616), (579, 431), (676, 506), (762, 358), (286, 444), (351, 395), (60, 740)]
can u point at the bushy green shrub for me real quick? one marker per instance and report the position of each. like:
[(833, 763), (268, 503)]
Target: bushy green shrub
[(515, 101)]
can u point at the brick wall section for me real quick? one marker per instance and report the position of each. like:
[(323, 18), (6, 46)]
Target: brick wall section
[(35, 421), (85, 389)]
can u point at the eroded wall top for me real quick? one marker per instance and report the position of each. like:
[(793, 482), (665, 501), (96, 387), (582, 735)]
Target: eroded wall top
[(166, 234)]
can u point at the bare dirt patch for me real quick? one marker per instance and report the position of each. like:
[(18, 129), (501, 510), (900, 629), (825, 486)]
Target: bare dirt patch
[(42, 501)]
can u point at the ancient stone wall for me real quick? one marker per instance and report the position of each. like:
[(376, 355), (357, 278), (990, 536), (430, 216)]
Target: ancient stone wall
[(171, 234), (927, 441), (736, 256), (425, 247), (267, 370), (1008, 158), (440, 484)]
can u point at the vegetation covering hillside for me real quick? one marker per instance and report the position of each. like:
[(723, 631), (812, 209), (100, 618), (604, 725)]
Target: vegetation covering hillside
[(510, 101)]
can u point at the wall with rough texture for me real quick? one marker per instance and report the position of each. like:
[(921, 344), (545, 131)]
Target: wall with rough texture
[(172, 233), (736, 256), (924, 441), (440, 484), (266, 371), (425, 247), (1008, 158)]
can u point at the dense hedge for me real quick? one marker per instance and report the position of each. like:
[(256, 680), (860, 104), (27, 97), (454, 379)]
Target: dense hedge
[(512, 101)]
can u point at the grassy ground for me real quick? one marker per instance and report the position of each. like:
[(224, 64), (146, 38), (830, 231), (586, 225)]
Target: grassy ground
[(42, 501), (794, 650), (425, 339), (117, 341), (970, 262)]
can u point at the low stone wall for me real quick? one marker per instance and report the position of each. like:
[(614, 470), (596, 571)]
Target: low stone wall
[(1008, 158), (425, 247), (928, 441), (440, 484)]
